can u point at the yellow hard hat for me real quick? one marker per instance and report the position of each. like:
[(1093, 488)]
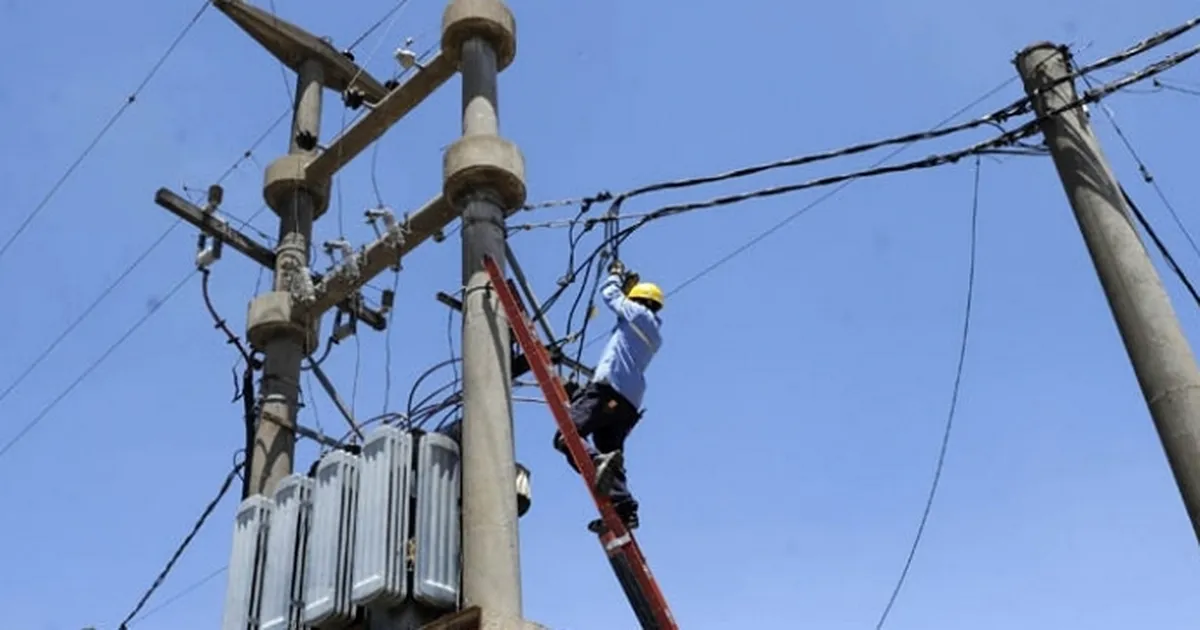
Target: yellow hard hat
[(647, 291)]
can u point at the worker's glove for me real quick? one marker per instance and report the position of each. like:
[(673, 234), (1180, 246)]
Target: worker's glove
[(617, 268), (631, 279)]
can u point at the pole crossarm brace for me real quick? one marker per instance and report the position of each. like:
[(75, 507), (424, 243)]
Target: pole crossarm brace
[(293, 46), (384, 252), (385, 113), (252, 249)]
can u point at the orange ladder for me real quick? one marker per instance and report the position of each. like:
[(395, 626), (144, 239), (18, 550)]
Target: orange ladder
[(619, 544)]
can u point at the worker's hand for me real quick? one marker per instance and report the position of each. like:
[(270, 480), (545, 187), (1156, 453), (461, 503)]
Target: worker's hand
[(616, 268), (630, 281)]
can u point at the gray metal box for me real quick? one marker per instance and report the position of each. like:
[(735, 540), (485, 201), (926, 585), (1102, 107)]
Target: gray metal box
[(283, 581), (437, 528), (331, 543), (384, 480), (243, 591)]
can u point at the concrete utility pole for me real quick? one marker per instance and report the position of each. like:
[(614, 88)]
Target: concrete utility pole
[(1162, 359), (284, 341), (483, 175)]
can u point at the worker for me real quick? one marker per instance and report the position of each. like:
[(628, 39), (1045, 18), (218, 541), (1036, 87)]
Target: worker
[(609, 406)]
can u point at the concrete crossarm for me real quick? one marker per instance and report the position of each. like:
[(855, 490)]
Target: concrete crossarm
[(397, 104), (384, 252)]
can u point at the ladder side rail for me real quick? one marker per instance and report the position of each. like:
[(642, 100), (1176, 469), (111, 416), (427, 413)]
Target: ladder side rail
[(556, 397)]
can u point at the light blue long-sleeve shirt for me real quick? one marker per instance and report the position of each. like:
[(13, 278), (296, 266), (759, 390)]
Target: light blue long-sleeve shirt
[(632, 345)]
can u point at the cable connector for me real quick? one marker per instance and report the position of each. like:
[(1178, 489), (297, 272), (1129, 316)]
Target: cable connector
[(348, 263), (394, 233)]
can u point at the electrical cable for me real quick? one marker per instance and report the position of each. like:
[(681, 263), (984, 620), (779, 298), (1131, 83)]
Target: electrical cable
[(1017, 107), (954, 392), (387, 348), (1177, 88), (1147, 177), (249, 419), (188, 590), (93, 366), (367, 33), (137, 262), (454, 358), (287, 85), (120, 279), (1162, 248), (208, 510), (129, 101), (87, 312), (996, 144), (412, 393), (219, 322), (246, 393)]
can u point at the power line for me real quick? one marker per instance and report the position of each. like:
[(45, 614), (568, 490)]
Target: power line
[(188, 590), (137, 262), (187, 540), (92, 367), (958, 373), (129, 269), (129, 101), (761, 236), (996, 144), (1147, 177), (1019, 106), (87, 312), (374, 27), (1162, 248)]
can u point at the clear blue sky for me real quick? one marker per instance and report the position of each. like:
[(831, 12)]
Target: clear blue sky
[(796, 408)]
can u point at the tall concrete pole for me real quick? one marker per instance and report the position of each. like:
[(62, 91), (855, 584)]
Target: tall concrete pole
[(1161, 357), (272, 326), (484, 179)]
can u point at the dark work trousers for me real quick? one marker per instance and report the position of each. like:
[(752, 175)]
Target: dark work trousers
[(605, 415)]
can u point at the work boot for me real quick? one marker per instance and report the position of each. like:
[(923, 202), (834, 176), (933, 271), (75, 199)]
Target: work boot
[(607, 464), (630, 520)]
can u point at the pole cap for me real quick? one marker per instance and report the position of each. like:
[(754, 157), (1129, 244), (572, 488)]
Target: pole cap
[(490, 20)]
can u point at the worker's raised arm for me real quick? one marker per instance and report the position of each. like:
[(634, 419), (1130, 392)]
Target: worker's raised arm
[(615, 298)]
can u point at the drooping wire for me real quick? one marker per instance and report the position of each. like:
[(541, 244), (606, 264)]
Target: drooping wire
[(1019, 106), (954, 392), (129, 101), (1177, 88), (997, 144), (187, 540), (411, 408)]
